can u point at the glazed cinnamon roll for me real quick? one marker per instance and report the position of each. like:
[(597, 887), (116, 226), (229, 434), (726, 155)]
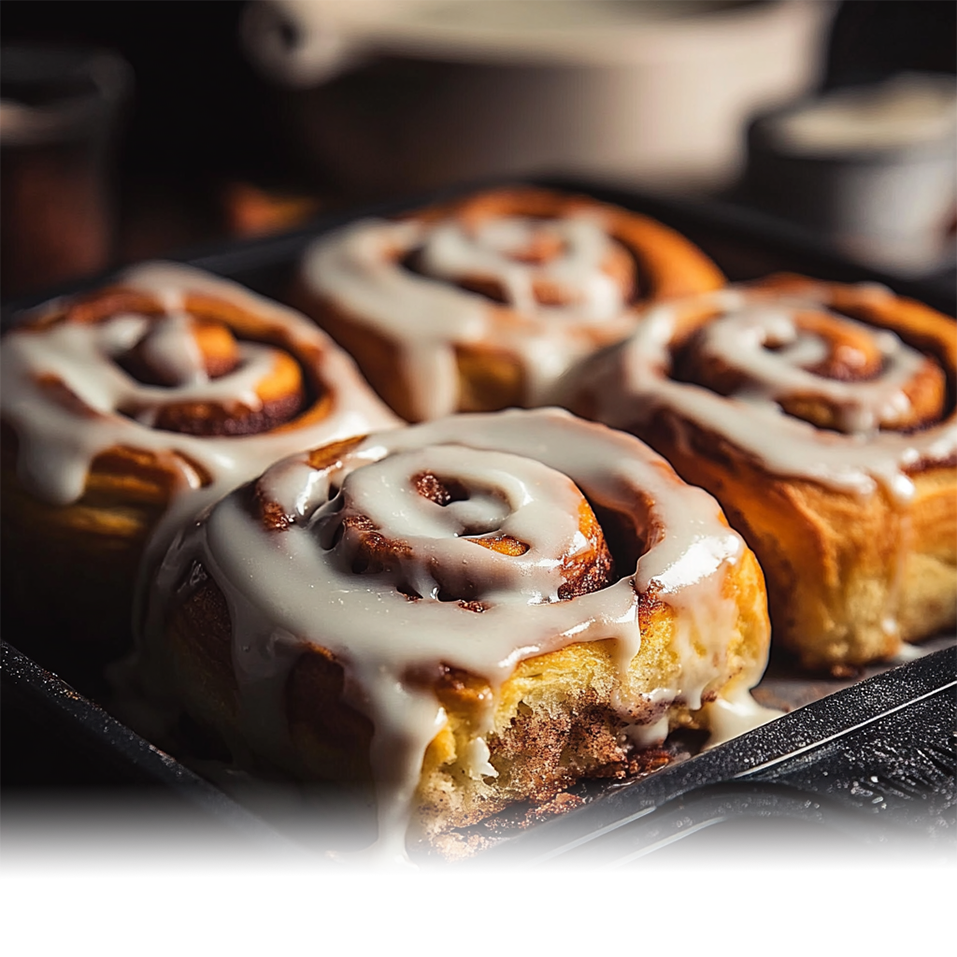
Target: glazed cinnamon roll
[(130, 406), (822, 417), (482, 303), (470, 613)]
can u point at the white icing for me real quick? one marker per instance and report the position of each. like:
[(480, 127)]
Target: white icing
[(455, 252), (752, 420), (733, 714), (518, 468), (358, 268), (741, 339), (173, 352), (477, 760), (648, 735)]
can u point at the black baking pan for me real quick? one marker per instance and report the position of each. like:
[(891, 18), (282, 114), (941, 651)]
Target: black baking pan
[(862, 778), (871, 761)]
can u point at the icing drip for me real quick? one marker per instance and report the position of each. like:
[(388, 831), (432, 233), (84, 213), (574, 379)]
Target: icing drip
[(359, 268), (515, 474)]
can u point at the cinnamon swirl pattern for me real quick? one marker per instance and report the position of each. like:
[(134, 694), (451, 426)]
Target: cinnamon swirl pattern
[(482, 303), (822, 417), (469, 613), (141, 401)]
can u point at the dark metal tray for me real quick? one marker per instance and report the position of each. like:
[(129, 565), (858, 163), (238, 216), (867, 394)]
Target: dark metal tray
[(862, 763)]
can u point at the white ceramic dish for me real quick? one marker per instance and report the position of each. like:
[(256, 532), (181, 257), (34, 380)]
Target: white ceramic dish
[(413, 94)]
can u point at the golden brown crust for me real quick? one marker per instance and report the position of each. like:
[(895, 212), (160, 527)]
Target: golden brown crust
[(836, 566)]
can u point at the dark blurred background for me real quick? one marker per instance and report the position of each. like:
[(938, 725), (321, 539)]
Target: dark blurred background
[(198, 117), (209, 147)]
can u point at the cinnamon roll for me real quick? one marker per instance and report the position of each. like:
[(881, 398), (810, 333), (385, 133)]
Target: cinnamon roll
[(482, 303), (130, 406), (822, 417), (469, 613)]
